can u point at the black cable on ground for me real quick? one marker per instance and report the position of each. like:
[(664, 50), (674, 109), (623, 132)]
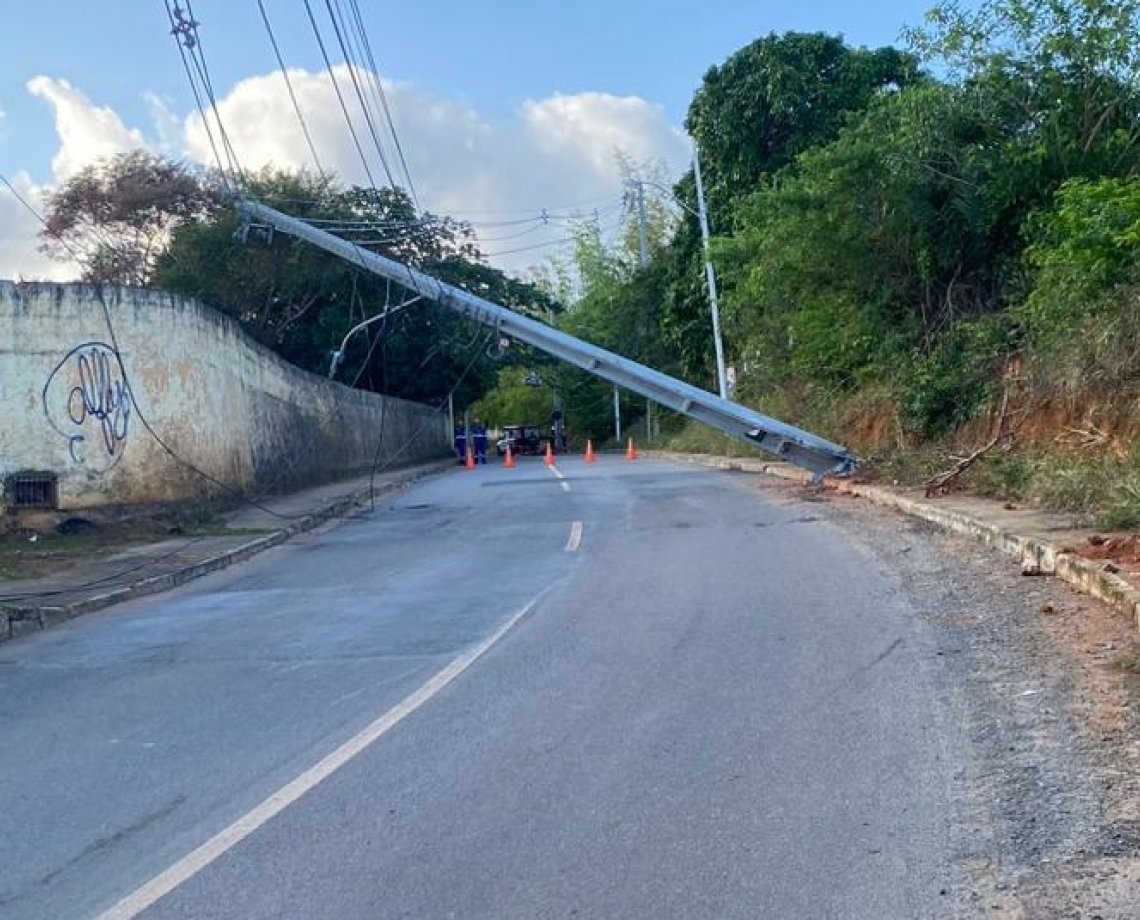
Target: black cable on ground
[(36, 595)]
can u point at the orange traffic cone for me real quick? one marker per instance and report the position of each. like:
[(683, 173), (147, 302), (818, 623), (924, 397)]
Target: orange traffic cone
[(549, 454), (509, 460), (470, 464), (631, 451), (590, 457)]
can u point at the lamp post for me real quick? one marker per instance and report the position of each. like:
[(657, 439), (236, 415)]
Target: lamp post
[(337, 356), (701, 214), (710, 278)]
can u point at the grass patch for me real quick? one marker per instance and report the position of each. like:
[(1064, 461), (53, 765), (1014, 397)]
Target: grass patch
[(695, 438)]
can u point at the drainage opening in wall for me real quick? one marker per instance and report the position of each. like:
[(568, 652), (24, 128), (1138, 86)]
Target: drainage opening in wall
[(32, 489)]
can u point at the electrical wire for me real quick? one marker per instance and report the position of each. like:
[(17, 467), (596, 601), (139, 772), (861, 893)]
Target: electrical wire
[(184, 29), (476, 353), (188, 40), (376, 467), (98, 582), (364, 108), (564, 207), (198, 55), (174, 31), (226, 487), (374, 71), (292, 95), (534, 227), (340, 97), (551, 243)]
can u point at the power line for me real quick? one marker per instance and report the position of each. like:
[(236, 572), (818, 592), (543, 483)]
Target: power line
[(562, 207), (364, 109), (413, 283), (379, 85), (340, 97), (184, 28), (225, 487), (289, 85), (181, 30), (559, 242)]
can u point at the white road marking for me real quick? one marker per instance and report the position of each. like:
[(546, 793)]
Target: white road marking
[(561, 477), (194, 862), (575, 540)]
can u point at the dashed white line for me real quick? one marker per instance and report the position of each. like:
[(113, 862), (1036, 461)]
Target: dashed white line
[(575, 541), (561, 477), (194, 862)]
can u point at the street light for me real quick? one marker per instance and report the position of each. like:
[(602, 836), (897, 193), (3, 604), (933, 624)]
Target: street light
[(701, 214), (338, 355)]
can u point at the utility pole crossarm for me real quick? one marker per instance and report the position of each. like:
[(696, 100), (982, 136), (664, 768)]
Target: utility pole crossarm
[(784, 441)]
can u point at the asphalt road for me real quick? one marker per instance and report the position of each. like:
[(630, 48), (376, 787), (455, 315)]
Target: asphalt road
[(711, 701)]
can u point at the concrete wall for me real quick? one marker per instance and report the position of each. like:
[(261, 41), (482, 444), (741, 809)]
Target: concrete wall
[(216, 398)]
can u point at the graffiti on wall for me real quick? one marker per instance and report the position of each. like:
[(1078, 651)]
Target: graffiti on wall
[(87, 400)]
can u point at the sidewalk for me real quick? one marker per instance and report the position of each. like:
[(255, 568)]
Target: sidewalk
[(1043, 543), (28, 605)]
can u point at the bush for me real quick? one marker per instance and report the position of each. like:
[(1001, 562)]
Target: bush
[(945, 388)]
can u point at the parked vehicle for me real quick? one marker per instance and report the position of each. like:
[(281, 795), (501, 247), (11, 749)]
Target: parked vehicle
[(523, 439)]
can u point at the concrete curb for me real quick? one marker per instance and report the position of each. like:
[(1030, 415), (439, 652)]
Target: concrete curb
[(1087, 576), (18, 620)]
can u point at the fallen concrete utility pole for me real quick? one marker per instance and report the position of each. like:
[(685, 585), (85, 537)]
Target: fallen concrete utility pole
[(802, 448)]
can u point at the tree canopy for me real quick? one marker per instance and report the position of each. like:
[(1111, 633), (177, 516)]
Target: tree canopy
[(139, 219), (902, 221)]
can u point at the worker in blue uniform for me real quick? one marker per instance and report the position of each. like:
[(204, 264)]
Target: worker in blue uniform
[(461, 442), (479, 433)]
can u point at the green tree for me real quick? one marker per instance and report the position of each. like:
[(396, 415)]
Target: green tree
[(1082, 315), (1056, 82), (301, 301), (776, 98)]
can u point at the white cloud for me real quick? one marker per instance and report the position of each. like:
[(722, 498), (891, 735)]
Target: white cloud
[(557, 152), (554, 153), (167, 126), (19, 241), (86, 132)]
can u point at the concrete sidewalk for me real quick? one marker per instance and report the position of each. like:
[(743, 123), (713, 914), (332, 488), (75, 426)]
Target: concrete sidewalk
[(1043, 543), (28, 605)]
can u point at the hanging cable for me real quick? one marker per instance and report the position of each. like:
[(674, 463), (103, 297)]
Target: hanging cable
[(292, 95), (181, 32), (340, 97), (186, 29), (374, 71), (364, 108)]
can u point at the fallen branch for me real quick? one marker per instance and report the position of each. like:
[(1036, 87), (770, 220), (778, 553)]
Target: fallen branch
[(1090, 437), (942, 480)]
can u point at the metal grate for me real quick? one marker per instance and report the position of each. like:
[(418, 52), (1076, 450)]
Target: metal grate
[(32, 490)]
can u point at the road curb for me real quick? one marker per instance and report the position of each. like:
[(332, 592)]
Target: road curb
[(18, 620), (1034, 554)]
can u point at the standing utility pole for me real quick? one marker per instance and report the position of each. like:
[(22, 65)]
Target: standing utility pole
[(710, 276)]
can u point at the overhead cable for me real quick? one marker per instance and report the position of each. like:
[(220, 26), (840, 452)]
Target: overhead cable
[(292, 95)]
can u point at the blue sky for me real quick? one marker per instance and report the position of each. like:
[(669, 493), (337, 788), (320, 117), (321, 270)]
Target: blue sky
[(111, 67)]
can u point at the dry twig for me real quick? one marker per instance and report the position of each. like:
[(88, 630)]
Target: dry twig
[(940, 482)]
